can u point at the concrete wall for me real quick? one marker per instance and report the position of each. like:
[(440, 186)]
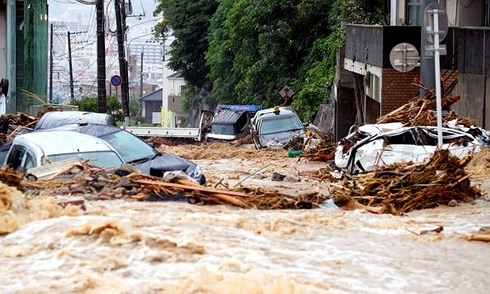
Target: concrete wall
[(3, 40), (473, 89), (469, 13)]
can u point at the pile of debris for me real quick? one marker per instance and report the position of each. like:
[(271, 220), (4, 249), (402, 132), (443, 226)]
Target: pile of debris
[(94, 183), (317, 145), (423, 112), (404, 187), (19, 122)]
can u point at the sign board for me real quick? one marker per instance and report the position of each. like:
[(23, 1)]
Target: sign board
[(429, 50), (116, 80), (286, 92), (432, 8), (404, 57)]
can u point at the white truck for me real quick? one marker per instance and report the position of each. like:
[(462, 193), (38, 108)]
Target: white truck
[(197, 134)]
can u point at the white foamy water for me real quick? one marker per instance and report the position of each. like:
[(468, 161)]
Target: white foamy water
[(131, 247)]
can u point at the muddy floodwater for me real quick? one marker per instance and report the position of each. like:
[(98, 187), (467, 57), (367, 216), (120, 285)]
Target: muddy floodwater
[(176, 247)]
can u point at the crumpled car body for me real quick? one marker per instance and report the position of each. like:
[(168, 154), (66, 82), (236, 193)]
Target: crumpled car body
[(373, 146), (273, 127)]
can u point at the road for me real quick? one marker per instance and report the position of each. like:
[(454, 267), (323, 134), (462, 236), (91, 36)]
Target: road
[(175, 247)]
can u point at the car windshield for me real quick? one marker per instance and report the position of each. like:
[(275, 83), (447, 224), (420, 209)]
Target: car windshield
[(280, 123), (129, 147), (222, 129), (104, 159)]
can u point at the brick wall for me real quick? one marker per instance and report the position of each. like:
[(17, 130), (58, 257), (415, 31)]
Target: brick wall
[(397, 88)]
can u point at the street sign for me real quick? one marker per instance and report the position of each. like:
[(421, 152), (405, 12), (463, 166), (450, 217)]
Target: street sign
[(286, 92), (428, 24), (404, 57), (116, 80), (430, 49)]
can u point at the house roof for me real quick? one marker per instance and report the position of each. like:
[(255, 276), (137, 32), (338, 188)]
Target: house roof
[(153, 96), (176, 75)]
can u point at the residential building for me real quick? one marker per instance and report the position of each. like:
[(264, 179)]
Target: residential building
[(23, 52), (366, 72)]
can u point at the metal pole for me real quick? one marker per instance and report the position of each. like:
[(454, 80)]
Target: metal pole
[(141, 75), (11, 98), (437, 77), (393, 12), (72, 94), (426, 62), (51, 66), (101, 76), (123, 68)]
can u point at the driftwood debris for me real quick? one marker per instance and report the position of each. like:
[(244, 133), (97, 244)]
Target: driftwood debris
[(95, 183), (318, 145), (403, 187)]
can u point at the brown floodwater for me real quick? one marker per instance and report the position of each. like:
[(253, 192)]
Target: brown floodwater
[(138, 247), (175, 247)]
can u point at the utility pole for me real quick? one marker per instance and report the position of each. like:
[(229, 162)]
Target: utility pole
[(101, 77), (123, 66), (50, 99), (141, 75), (70, 63)]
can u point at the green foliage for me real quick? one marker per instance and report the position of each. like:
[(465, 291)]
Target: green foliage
[(249, 49), (362, 11), (134, 107), (86, 104), (114, 106), (190, 98), (255, 50)]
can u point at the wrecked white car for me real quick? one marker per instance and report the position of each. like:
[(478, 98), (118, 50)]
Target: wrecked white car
[(372, 146)]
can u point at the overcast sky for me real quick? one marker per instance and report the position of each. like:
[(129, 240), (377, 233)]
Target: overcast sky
[(66, 10)]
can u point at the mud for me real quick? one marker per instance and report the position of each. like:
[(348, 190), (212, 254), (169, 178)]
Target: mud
[(141, 247)]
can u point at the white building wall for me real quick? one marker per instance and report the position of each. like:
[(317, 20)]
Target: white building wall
[(171, 86)]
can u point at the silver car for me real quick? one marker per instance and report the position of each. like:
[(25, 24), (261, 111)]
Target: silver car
[(273, 127), (39, 148)]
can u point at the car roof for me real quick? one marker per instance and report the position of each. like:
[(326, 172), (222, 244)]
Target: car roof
[(270, 112), (59, 118), (89, 129), (62, 142)]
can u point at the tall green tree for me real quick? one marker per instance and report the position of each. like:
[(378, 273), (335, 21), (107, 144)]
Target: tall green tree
[(257, 47), (247, 50)]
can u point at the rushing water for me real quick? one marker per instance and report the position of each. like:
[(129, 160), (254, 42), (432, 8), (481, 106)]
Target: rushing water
[(135, 247)]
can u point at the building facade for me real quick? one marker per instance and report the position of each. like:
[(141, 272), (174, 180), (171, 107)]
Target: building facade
[(23, 52), (368, 81)]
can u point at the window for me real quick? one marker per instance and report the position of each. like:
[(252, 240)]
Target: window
[(414, 12), (280, 124), (15, 156)]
